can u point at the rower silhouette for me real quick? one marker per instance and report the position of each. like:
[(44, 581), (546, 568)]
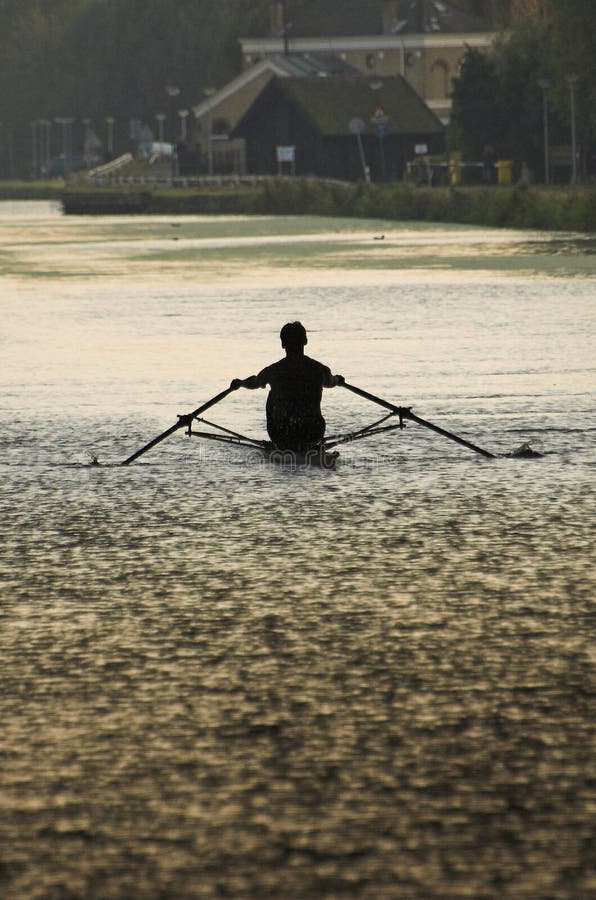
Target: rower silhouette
[(294, 418)]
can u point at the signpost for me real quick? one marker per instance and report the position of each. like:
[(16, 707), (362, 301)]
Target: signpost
[(286, 155), (379, 122), (356, 126)]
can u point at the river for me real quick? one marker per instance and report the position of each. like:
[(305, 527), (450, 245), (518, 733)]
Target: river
[(225, 678)]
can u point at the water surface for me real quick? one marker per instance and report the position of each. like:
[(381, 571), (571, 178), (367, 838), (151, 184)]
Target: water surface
[(223, 678)]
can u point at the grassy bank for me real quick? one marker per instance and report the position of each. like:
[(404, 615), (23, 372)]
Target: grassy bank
[(31, 190), (561, 208), (520, 206)]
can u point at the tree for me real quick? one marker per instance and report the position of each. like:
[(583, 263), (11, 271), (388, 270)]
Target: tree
[(497, 98), (476, 115), (572, 51), (98, 58)]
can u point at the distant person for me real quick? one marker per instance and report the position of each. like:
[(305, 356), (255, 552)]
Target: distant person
[(294, 419), (488, 164)]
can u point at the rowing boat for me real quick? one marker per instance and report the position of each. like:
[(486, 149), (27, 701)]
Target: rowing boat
[(321, 456), (318, 456)]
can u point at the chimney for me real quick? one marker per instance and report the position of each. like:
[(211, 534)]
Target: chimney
[(411, 11), (420, 16), (277, 16), (390, 16)]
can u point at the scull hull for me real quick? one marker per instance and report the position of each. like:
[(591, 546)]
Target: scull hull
[(317, 458)]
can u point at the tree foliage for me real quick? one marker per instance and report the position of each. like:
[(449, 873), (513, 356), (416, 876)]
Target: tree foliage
[(98, 58), (497, 98), (476, 116), (571, 28)]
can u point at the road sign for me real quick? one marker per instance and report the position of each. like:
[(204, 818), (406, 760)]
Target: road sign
[(379, 122), (286, 154), (356, 126)]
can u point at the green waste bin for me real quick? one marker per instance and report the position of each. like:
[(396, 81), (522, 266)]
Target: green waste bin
[(504, 169)]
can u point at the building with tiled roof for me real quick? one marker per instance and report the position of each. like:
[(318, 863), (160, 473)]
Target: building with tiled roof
[(421, 40), (416, 45), (340, 127)]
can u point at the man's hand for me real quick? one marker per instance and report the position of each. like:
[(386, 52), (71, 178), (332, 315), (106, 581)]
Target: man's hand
[(338, 380), (235, 384)]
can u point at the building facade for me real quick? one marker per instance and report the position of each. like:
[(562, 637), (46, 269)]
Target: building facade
[(346, 127), (418, 42), (424, 41)]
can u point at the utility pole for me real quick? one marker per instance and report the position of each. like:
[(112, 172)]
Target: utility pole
[(572, 82), (545, 84)]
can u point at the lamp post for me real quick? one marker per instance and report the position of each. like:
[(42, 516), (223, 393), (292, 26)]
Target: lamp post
[(110, 122), (572, 81), (34, 165), (7, 129), (66, 124), (182, 115), (61, 122), (209, 92), (160, 119), (46, 147), (172, 91), (40, 146), (86, 140), (544, 84)]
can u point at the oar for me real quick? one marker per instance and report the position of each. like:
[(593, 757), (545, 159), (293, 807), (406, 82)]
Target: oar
[(182, 421), (404, 412)]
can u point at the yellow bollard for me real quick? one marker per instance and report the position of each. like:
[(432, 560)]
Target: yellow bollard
[(504, 169), (455, 168)]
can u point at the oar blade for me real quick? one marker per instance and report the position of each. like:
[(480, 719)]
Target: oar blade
[(156, 440), (182, 421), (404, 412)]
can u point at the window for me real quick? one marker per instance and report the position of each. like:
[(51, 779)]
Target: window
[(439, 79)]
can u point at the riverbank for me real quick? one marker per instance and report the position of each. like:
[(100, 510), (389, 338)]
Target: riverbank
[(559, 208), (399, 704), (32, 190)]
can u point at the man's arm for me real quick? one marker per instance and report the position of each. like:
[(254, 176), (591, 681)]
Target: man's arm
[(252, 382)]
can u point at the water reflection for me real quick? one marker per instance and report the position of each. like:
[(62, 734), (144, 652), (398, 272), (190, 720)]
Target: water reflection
[(229, 679)]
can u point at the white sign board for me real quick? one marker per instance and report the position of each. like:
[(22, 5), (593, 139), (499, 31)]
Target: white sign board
[(286, 154)]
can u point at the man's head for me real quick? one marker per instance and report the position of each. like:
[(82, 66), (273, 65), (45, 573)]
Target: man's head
[(293, 337)]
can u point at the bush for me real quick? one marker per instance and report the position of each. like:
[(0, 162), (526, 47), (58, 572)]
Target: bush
[(519, 206)]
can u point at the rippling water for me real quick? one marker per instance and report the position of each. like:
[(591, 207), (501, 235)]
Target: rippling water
[(225, 679)]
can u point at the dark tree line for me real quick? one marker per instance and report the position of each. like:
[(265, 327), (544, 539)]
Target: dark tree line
[(98, 59)]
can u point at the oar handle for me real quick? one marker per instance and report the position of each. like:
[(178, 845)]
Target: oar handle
[(182, 421), (404, 412), (212, 402)]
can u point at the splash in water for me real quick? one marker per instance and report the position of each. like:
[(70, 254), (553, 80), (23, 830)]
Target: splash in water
[(524, 451)]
